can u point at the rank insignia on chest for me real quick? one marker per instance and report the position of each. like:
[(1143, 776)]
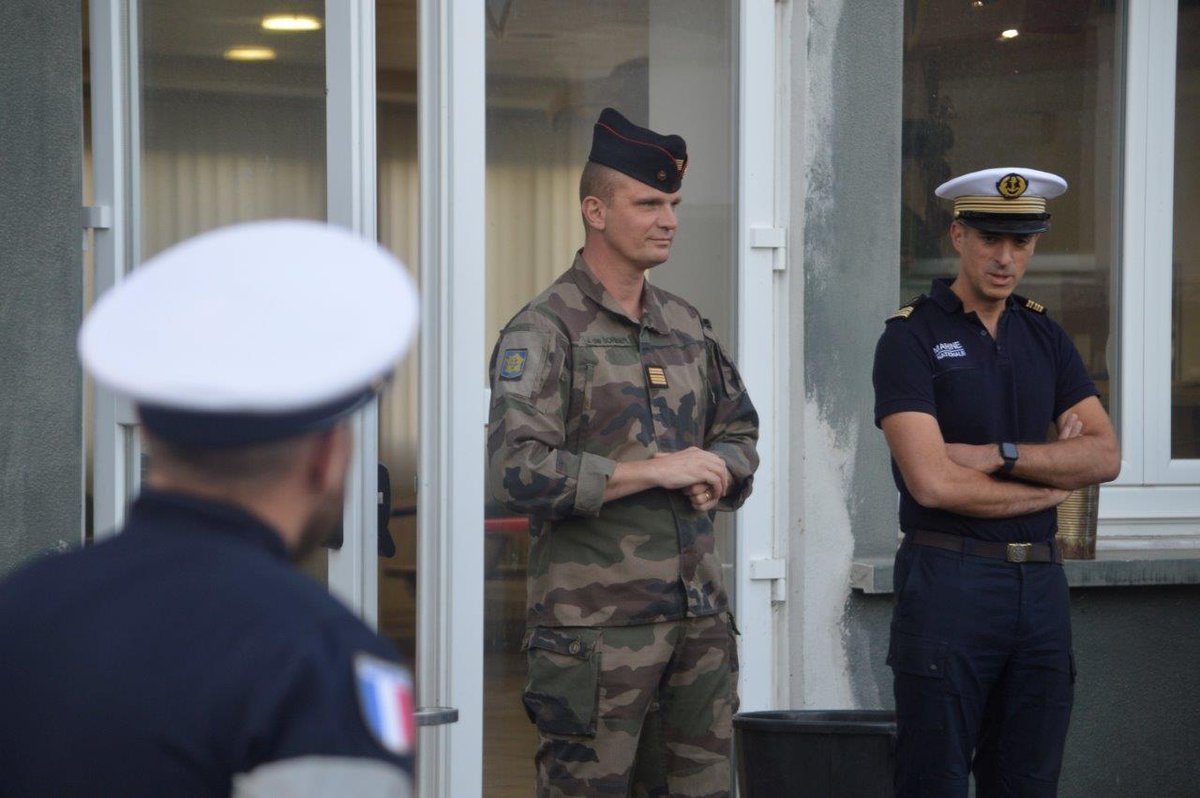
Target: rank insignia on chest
[(512, 364), (656, 376)]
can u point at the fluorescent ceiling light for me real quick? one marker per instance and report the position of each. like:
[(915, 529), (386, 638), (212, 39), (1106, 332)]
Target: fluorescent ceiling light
[(250, 54), (1011, 33), (291, 22)]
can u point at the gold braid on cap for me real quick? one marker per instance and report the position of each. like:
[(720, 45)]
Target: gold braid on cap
[(993, 204)]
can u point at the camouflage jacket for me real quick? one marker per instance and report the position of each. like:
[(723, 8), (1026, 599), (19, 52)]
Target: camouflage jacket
[(578, 386)]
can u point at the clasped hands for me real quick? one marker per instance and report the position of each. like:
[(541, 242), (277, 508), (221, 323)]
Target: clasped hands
[(986, 457), (700, 475)]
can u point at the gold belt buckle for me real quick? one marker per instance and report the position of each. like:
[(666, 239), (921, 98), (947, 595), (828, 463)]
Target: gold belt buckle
[(1017, 552)]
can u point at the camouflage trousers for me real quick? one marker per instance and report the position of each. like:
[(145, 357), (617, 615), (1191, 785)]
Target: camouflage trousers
[(634, 710)]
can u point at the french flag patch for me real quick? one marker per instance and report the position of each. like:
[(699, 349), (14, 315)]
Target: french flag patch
[(385, 696)]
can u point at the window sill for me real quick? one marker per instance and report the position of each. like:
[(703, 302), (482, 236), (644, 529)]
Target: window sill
[(1111, 568)]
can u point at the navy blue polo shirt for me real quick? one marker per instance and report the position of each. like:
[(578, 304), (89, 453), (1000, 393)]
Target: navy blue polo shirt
[(169, 658), (942, 361)]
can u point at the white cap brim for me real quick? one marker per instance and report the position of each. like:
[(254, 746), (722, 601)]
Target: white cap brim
[(266, 317)]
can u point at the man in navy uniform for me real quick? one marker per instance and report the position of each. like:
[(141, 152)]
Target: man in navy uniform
[(969, 381), (186, 656)]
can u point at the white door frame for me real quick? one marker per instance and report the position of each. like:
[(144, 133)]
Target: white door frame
[(115, 178), (453, 394), (761, 553), (351, 164)]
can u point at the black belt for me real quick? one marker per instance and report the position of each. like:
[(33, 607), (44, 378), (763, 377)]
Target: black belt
[(1009, 552)]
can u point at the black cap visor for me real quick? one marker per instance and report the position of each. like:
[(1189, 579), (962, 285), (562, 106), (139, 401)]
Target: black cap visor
[(1006, 223)]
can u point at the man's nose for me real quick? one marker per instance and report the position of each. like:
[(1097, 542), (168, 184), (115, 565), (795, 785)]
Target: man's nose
[(668, 218), (1004, 253)]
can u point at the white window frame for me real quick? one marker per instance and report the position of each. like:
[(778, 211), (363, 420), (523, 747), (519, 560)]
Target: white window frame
[(1155, 503)]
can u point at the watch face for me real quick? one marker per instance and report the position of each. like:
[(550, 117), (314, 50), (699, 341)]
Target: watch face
[(1008, 451)]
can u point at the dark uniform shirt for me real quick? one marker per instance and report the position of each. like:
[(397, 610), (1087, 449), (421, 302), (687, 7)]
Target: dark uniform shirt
[(936, 359), (170, 658)]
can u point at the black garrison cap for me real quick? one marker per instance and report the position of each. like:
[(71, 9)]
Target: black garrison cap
[(644, 155)]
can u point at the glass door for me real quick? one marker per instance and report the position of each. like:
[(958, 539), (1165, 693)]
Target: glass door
[(202, 116), (206, 114), (552, 66)]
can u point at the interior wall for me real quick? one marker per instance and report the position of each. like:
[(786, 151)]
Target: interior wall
[(41, 404)]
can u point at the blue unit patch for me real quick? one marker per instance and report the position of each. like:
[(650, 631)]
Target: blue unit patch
[(512, 364)]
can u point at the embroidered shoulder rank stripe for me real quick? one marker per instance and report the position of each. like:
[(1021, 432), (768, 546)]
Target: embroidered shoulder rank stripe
[(1036, 307), (908, 308)]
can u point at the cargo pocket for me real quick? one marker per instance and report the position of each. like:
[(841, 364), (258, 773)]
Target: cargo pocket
[(561, 695), (917, 656), (925, 696)]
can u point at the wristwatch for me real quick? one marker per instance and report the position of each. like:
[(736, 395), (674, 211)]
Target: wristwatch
[(1009, 452)]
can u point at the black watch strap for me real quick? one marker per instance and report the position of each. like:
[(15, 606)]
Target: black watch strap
[(1009, 453)]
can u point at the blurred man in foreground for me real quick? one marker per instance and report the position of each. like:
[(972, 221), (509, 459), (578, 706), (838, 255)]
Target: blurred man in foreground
[(186, 656)]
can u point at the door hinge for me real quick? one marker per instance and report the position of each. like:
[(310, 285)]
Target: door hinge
[(773, 571), (771, 238), (96, 217)]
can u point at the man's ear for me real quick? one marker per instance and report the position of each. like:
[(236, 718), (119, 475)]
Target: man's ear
[(594, 212), (328, 459), (958, 232)]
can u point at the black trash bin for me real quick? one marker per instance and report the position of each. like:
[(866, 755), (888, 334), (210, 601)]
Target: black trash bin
[(815, 753)]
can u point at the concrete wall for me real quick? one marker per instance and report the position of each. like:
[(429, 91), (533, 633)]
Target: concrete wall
[(845, 76), (41, 274)]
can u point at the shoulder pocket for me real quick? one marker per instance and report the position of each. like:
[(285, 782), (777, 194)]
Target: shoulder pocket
[(562, 693), (520, 362)]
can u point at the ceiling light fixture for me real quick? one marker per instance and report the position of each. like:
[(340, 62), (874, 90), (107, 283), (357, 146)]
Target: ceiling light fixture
[(250, 54), (1011, 33), (291, 23)]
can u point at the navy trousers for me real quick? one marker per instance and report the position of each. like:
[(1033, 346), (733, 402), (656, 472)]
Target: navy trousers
[(984, 674)]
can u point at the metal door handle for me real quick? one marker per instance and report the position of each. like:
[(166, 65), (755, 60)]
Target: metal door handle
[(436, 716)]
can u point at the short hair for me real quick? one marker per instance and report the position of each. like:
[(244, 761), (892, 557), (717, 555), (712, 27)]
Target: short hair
[(598, 181), (251, 463)]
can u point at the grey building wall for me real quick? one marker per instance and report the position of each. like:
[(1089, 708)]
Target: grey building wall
[(41, 473), (845, 75)]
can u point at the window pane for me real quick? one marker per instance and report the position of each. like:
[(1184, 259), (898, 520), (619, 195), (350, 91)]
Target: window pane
[(1046, 98), (226, 140), (1185, 365)]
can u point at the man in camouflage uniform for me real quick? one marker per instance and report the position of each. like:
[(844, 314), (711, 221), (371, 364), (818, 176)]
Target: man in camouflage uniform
[(619, 424)]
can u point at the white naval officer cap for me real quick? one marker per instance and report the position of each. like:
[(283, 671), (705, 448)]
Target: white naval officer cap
[(1007, 199), (252, 333)]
